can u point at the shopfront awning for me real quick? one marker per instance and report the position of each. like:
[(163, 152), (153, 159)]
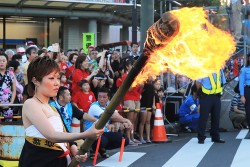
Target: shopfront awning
[(107, 11)]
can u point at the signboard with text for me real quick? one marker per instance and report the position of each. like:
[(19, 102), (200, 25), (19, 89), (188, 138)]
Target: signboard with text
[(87, 40)]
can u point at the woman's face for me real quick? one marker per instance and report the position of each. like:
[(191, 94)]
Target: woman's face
[(74, 59), (116, 55), (157, 85), (85, 64), (3, 62), (160, 94), (129, 67), (17, 70), (49, 84)]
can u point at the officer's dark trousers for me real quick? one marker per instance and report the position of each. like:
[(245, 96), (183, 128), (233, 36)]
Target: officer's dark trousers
[(209, 104), (247, 104)]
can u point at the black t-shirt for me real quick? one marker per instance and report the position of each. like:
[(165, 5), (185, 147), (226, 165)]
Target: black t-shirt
[(157, 98), (147, 96), (115, 65), (77, 113)]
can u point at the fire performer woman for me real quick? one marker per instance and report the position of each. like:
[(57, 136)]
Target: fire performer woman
[(45, 140), (244, 87)]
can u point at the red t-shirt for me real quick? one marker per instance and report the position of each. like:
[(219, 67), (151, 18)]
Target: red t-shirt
[(84, 100), (63, 67), (69, 72), (78, 75), (133, 94), (118, 82)]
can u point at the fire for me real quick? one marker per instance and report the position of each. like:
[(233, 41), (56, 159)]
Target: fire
[(196, 50)]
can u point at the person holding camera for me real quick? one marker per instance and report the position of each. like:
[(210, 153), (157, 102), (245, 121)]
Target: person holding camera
[(81, 72), (106, 69)]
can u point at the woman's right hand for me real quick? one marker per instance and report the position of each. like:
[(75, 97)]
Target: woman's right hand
[(243, 99), (94, 72), (94, 133)]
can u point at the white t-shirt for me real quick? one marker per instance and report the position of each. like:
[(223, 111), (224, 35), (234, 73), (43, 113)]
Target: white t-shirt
[(95, 110), (24, 58)]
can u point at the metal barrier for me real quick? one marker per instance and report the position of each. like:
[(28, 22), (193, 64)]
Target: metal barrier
[(12, 105), (136, 110), (12, 138), (14, 116)]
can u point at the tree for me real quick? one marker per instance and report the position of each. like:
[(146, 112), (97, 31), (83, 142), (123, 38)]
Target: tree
[(192, 3)]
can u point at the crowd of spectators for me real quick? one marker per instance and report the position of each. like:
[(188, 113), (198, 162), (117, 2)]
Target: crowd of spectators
[(84, 75)]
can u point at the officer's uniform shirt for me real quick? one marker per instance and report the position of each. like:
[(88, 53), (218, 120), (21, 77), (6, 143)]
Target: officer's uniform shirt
[(244, 79), (206, 81)]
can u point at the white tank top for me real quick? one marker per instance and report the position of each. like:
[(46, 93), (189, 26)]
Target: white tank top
[(55, 121)]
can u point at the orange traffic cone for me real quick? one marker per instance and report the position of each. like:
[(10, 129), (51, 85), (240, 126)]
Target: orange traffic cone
[(159, 132)]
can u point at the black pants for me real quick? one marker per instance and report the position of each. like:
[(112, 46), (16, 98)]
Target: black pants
[(209, 104), (34, 156), (110, 140), (247, 104)]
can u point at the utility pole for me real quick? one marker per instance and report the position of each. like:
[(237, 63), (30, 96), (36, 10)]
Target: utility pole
[(134, 22), (147, 19)]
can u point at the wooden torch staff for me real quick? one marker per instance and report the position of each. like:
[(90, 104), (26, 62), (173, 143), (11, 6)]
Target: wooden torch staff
[(163, 30)]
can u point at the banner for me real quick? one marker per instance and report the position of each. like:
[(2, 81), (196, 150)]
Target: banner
[(87, 40)]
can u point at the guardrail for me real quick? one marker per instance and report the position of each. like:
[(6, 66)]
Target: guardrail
[(107, 1), (12, 105), (11, 117), (136, 110)]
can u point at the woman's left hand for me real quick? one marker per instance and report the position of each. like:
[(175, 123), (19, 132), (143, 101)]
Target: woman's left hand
[(81, 158)]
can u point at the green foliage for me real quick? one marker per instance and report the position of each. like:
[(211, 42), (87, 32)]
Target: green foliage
[(192, 3)]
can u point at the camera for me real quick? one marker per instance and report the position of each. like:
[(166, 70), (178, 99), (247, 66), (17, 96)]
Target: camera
[(108, 52)]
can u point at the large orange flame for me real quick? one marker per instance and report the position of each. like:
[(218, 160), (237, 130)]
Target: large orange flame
[(197, 50)]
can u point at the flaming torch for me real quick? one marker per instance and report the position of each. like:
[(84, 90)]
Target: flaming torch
[(182, 40)]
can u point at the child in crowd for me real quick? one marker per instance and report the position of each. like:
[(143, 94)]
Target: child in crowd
[(63, 80), (131, 100), (160, 94), (157, 86), (147, 101), (84, 98), (61, 61)]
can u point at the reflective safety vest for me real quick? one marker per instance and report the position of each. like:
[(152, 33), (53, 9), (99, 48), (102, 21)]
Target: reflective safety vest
[(216, 88)]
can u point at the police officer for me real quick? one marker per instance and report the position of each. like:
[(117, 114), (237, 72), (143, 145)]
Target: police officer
[(244, 87), (211, 89), (189, 111)]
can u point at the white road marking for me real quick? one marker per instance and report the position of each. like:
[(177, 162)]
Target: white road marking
[(241, 158), (242, 134), (190, 154), (226, 100), (127, 159)]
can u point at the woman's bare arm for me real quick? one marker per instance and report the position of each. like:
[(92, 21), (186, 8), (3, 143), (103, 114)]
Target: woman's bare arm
[(34, 115)]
